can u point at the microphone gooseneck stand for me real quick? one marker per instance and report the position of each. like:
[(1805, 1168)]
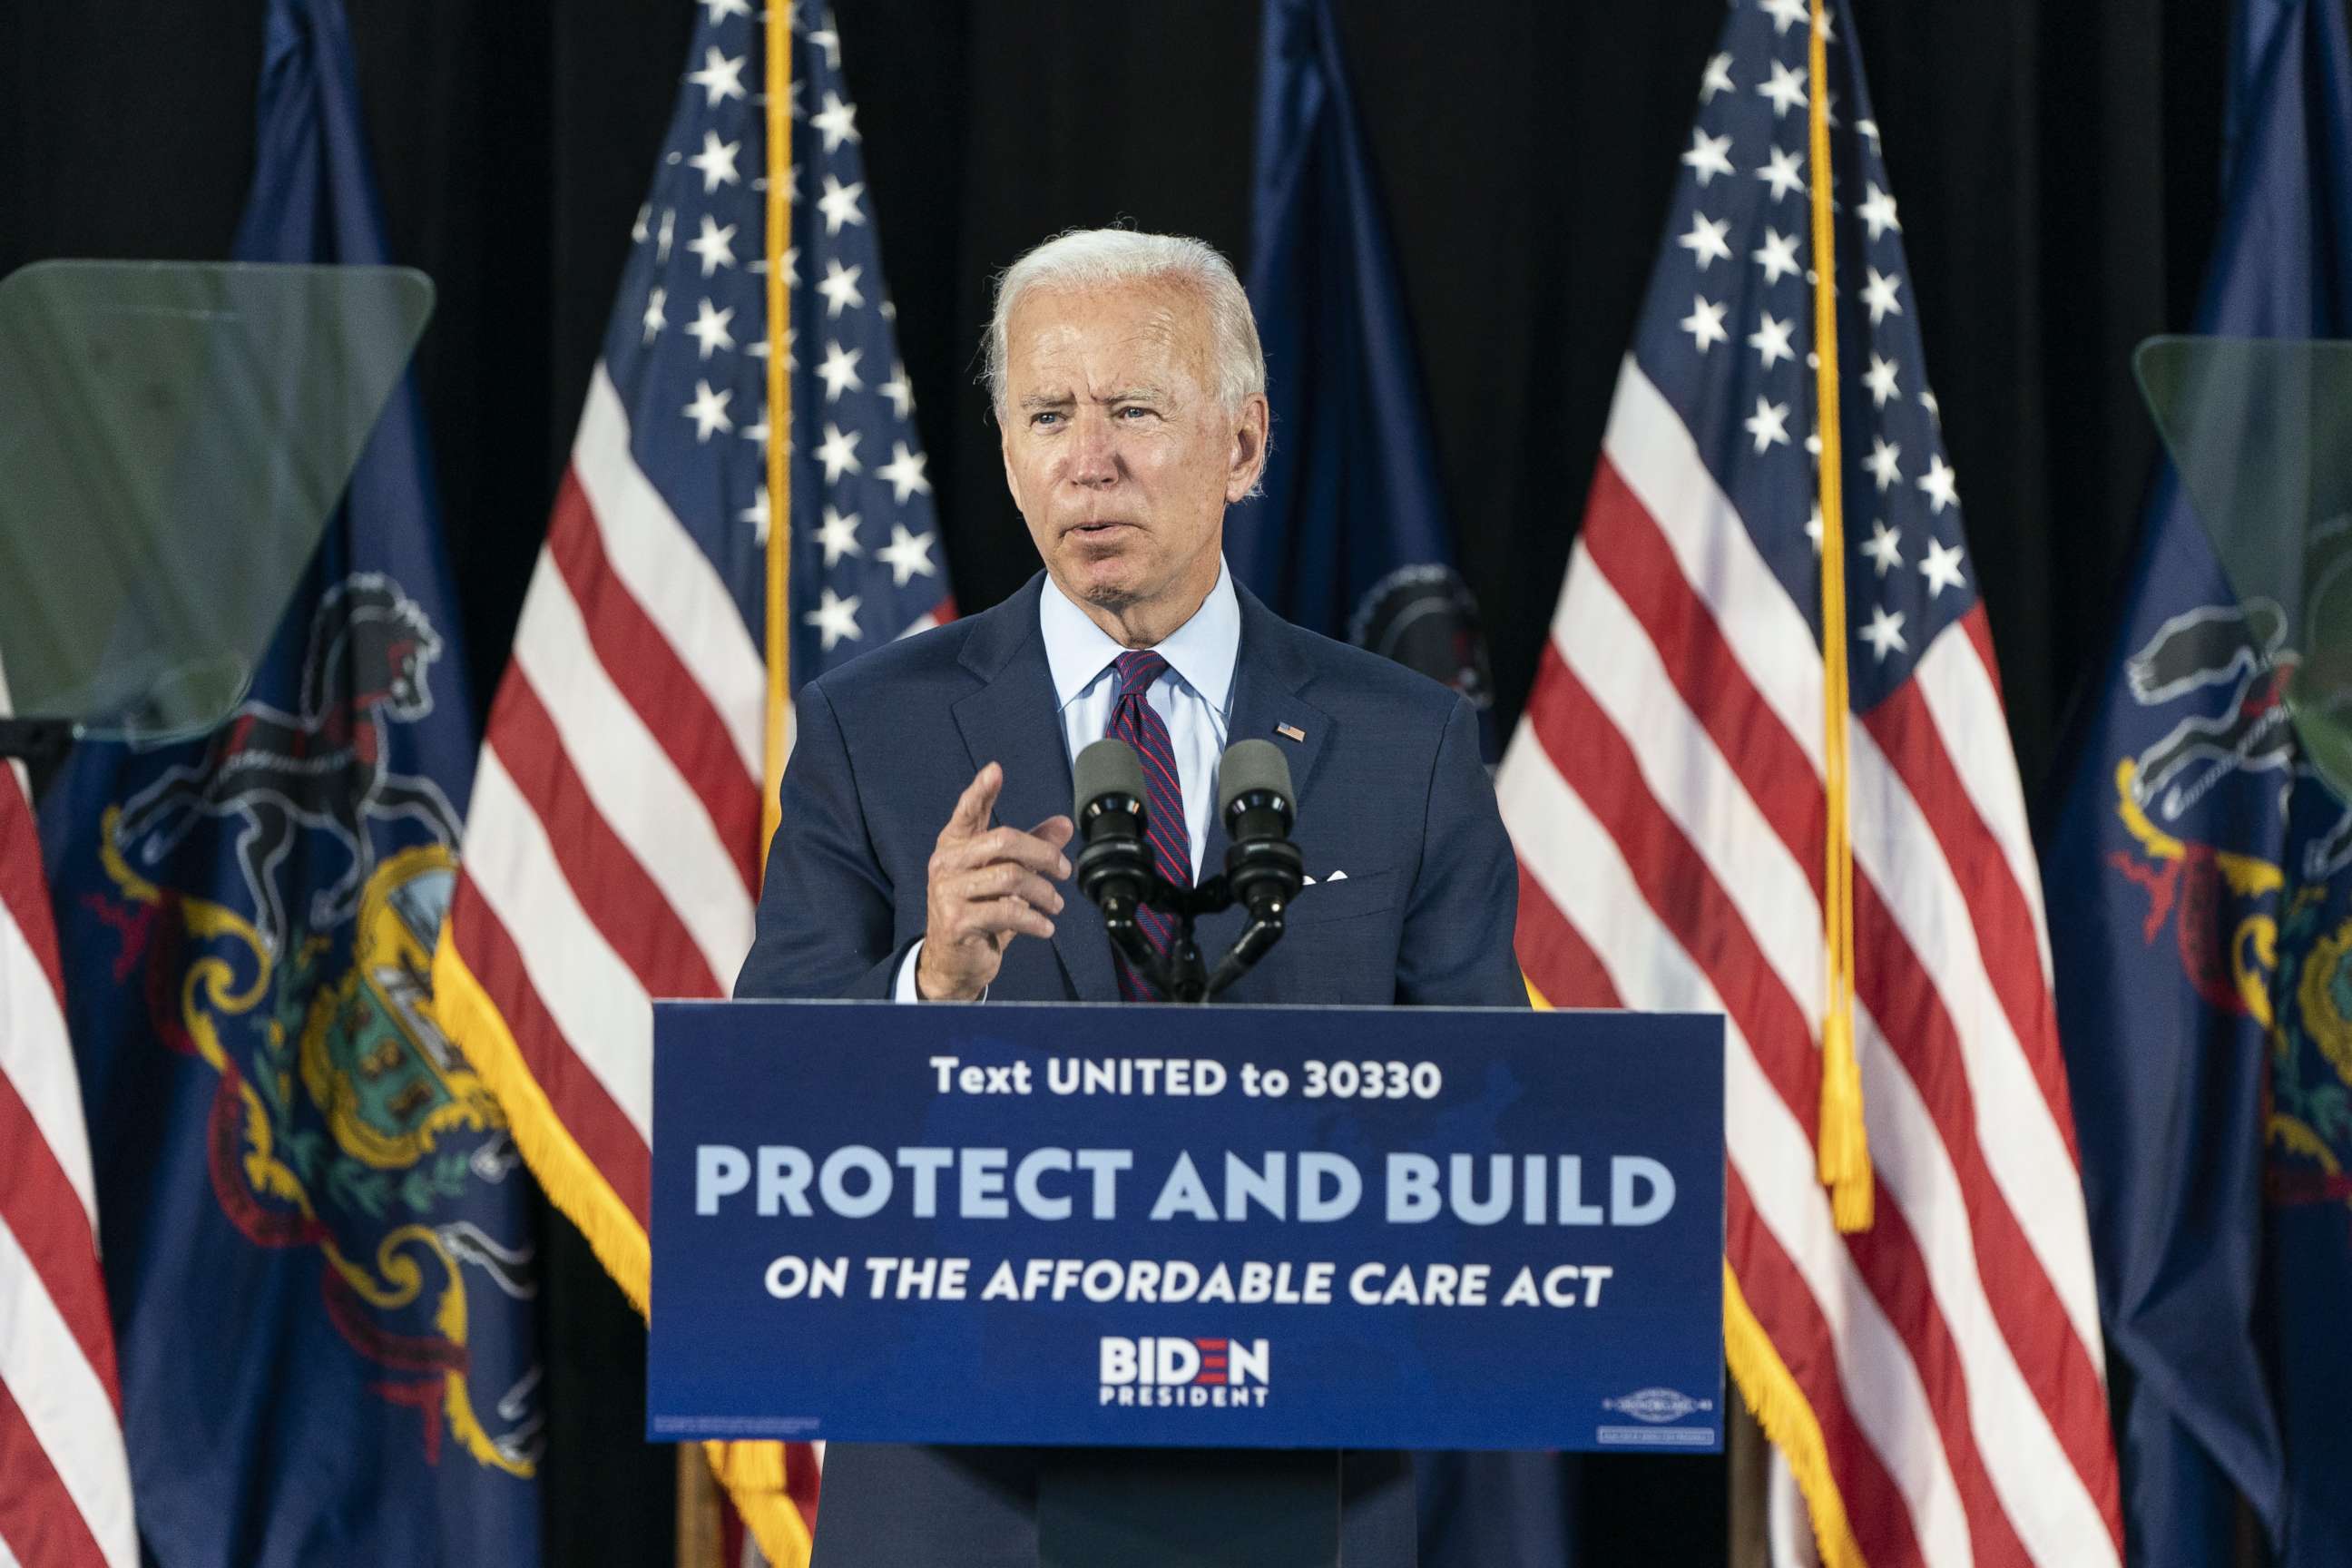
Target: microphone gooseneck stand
[(1182, 973), (1264, 869)]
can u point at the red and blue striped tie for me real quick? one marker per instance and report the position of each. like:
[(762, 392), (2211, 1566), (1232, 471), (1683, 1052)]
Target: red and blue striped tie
[(1134, 720)]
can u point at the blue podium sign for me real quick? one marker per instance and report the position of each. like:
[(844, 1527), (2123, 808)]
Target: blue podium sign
[(1195, 1227)]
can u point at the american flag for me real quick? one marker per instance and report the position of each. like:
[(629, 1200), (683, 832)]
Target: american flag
[(64, 1482), (612, 850), (1934, 1385)]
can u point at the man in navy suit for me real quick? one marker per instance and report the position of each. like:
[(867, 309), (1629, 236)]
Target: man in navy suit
[(924, 812)]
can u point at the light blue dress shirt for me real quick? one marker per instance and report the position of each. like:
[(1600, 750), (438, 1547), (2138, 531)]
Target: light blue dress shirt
[(1194, 698)]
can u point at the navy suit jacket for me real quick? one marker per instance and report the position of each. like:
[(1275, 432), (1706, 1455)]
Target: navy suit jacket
[(1390, 787), (1391, 791)]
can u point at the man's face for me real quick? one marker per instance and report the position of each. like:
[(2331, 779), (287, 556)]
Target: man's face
[(1119, 453)]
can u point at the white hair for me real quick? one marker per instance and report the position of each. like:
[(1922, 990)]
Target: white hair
[(1107, 257)]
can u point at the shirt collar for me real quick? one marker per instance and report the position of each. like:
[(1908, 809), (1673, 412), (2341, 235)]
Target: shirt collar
[(1201, 651)]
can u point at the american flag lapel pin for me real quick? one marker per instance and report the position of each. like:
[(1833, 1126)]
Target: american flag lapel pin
[(1290, 731)]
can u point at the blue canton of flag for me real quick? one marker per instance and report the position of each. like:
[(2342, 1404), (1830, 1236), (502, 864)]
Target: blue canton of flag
[(316, 1223), (1727, 337), (690, 363), (2201, 885)]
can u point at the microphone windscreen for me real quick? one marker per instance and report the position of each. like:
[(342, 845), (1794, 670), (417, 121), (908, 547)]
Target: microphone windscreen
[(1250, 765), (1109, 766)]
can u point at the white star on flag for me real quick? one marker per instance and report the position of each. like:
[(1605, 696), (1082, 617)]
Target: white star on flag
[(1784, 171), (1717, 79), (908, 555), (719, 76), (1786, 13), (1884, 633), (1941, 567), (653, 319), (1879, 295), (1770, 341), (708, 411), (714, 244), (1786, 89), (716, 162), (905, 472), (1938, 484), (1777, 256), (1705, 240), (836, 619), (839, 372), (1708, 155), (838, 536), (756, 514), (899, 391), (839, 204), (839, 123), (840, 287), (1885, 547), (1768, 424), (839, 452), (709, 328), (1878, 212), (1705, 323), (1881, 381), (1882, 462)]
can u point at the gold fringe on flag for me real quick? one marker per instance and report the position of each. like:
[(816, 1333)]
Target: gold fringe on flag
[(1844, 1149), (1787, 1417), (753, 1473)]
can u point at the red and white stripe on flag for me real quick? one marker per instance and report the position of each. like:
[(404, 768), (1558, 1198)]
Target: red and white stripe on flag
[(1935, 1382), (65, 1483)]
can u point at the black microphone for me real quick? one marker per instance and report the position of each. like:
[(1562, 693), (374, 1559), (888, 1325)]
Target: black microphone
[(1115, 868), (1262, 867)]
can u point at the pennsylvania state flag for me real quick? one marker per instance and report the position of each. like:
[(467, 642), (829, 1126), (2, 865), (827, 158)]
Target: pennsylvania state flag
[(314, 1221), (1350, 538), (2199, 885)]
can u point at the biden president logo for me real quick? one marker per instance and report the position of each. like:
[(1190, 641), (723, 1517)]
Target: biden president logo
[(1165, 1372)]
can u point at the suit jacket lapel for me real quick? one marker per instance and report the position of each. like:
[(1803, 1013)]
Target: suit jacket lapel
[(1013, 719), (1268, 675)]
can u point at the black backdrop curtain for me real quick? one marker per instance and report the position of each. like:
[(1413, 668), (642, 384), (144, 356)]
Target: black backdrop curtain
[(2056, 166)]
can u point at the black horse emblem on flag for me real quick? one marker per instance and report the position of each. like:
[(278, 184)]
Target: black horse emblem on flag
[(368, 665)]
